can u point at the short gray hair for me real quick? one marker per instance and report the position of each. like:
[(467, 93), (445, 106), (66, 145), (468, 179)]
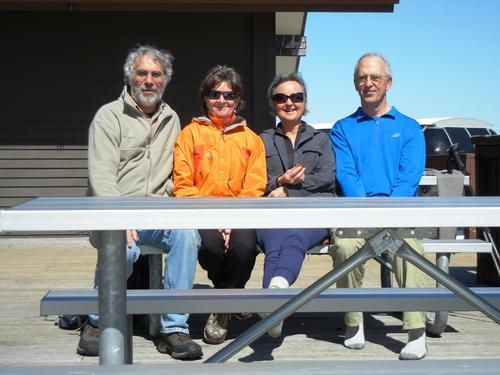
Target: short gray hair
[(286, 77), (387, 65), (164, 58)]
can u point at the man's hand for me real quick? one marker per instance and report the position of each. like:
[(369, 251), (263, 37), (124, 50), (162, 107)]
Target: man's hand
[(293, 176), (131, 236), (226, 234), (280, 192)]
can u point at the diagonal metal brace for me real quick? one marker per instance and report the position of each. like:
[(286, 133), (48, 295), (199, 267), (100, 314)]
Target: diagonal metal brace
[(410, 255), (373, 247), (385, 240)]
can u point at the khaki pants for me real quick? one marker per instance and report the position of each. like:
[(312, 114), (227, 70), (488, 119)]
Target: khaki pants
[(407, 276)]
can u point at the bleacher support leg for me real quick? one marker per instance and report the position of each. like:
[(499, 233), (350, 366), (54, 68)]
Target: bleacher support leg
[(112, 298)]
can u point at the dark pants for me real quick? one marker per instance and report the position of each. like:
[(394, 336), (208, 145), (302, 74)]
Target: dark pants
[(229, 268), (285, 250)]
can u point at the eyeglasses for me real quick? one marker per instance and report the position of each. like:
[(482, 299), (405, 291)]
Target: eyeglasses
[(296, 97), (375, 78), (228, 95)]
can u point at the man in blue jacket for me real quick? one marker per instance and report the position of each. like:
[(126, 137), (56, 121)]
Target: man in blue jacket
[(379, 153)]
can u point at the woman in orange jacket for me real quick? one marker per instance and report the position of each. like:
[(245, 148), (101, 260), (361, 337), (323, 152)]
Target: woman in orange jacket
[(217, 155)]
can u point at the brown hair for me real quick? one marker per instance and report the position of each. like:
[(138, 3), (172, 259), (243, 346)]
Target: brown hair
[(217, 75)]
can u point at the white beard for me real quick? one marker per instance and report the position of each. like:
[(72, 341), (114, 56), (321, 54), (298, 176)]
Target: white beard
[(146, 100)]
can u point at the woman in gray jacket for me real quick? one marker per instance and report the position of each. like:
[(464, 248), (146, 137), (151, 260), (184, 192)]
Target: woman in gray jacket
[(300, 163)]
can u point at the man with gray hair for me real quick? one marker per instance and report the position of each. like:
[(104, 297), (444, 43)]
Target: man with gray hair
[(131, 144), (380, 153)]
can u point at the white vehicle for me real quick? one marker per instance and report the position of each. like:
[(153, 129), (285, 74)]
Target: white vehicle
[(441, 133)]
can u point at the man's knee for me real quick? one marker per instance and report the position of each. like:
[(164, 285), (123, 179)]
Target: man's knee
[(188, 239), (344, 248)]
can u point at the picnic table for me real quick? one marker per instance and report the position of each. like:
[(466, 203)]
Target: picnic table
[(111, 216)]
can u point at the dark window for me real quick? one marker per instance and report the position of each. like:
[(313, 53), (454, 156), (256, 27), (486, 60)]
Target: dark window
[(460, 136), (436, 141), (477, 131)]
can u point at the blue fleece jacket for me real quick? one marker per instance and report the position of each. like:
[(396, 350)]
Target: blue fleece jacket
[(378, 156)]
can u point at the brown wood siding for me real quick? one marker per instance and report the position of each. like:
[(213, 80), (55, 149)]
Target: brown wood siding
[(29, 171), (58, 68)]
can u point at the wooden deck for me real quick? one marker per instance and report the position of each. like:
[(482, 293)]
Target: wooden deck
[(29, 267)]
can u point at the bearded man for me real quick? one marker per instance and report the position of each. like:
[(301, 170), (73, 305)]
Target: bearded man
[(130, 153)]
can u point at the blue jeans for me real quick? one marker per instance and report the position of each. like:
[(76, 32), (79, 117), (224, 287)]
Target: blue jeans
[(181, 247)]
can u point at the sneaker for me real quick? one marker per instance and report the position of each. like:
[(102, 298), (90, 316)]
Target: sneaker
[(89, 341), (215, 331), (179, 345), (276, 330)]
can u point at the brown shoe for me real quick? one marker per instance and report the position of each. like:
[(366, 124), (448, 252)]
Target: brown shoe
[(215, 331), (179, 345), (89, 341)]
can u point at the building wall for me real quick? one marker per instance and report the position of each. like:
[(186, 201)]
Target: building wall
[(58, 68)]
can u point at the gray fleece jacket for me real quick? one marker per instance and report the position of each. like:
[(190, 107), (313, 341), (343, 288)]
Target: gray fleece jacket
[(128, 155)]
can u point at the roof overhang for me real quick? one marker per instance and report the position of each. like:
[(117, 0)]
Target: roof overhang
[(289, 23), (204, 5)]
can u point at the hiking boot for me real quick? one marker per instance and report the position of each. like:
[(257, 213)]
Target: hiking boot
[(242, 316), (215, 331), (179, 345), (89, 341)]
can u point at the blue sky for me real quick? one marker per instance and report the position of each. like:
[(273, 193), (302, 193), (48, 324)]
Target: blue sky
[(445, 57)]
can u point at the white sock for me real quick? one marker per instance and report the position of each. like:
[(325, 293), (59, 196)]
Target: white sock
[(279, 282), (355, 337), (416, 348)]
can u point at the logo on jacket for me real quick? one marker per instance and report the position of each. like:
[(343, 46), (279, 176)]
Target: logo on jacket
[(396, 135)]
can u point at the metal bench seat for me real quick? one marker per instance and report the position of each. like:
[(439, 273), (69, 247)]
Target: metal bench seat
[(434, 246), (148, 301)]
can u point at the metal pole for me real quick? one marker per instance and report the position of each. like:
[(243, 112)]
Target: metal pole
[(155, 282), (112, 298), (246, 338), (407, 253), (437, 327), (385, 270)]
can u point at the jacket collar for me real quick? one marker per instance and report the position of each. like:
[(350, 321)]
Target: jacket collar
[(306, 133), (237, 122), (361, 116)]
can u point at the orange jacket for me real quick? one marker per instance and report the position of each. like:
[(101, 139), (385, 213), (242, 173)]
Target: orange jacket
[(209, 162)]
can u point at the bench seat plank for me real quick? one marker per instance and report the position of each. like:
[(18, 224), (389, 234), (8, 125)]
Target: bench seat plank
[(266, 300), (456, 246), (435, 246)]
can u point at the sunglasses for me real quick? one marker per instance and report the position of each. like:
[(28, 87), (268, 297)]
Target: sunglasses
[(228, 95), (296, 97)]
